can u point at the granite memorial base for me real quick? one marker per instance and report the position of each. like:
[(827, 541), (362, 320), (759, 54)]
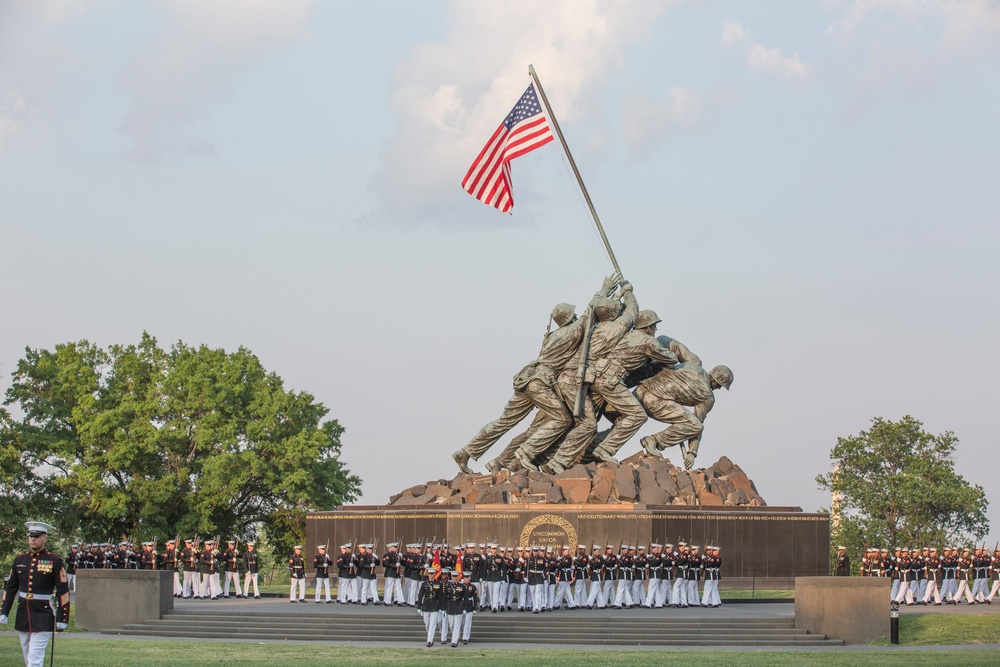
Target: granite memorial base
[(855, 609), (763, 547), (108, 599)]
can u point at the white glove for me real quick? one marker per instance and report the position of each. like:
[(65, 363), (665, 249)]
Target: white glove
[(60, 627), (3, 619)]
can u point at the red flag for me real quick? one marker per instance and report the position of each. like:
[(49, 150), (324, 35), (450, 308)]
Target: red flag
[(437, 561), (458, 565), (523, 130)]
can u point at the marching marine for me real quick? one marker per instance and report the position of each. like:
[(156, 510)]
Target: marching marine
[(251, 565), (231, 563), (39, 583), (322, 563), (297, 575), (392, 562)]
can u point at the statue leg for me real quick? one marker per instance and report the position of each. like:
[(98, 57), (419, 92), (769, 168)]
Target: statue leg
[(684, 425), (581, 434), (517, 409), (556, 421), (631, 413)]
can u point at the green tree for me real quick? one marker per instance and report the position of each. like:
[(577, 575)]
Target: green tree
[(137, 440), (897, 485)]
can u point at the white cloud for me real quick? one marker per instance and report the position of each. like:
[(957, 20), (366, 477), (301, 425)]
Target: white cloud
[(450, 96), (206, 46), (12, 109), (772, 61), (967, 26), (646, 121), (59, 11), (733, 33), (763, 58), (911, 47)]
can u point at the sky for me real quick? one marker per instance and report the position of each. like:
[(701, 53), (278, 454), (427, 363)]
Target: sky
[(803, 191)]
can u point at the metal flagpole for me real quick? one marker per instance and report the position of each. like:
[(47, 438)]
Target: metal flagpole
[(578, 404), (576, 172)]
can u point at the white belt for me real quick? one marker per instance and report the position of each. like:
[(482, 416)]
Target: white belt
[(34, 596)]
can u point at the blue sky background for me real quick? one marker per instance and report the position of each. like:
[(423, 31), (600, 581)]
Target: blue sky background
[(806, 192)]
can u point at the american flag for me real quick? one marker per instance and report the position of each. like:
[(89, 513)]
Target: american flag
[(523, 130)]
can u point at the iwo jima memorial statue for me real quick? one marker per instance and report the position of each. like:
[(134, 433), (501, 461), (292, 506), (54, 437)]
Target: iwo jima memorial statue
[(598, 378)]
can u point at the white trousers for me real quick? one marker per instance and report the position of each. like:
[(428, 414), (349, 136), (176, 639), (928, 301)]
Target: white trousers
[(72, 581), (564, 591), (921, 589), (494, 589), (33, 645), (680, 592), (455, 627), (537, 597), (191, 586), (637, 592), (949, 589), (233, 577), (467, 625), (321, 584), (993, 591), (430, 624), (369, 590), (443, 624), (251, 578), (595, 599), (210, 585), (485, 597), (393, 590), (932, 592), (580, 592), (300, 586), (411, 587), (692, 592), (504, 592), (347, 590), (178, 589), (652, 593), (623, 596), (710, 596), (550, 595), (979, 589), (963, 587), (896, 583), (522, 595)]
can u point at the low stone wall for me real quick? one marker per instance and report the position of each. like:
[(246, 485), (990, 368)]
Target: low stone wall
[(855, 609), (107, 599)]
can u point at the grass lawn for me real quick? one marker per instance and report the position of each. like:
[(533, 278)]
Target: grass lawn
[(931, 629), (736, 596), (75, 651)]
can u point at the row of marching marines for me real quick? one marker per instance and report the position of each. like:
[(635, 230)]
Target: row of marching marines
[(524, 578), (198, 566), (921, 575)]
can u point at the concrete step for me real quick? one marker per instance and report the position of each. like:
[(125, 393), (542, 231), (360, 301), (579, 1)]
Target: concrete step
[(480, 637), (339, 623), (408, 626), (669, 616)]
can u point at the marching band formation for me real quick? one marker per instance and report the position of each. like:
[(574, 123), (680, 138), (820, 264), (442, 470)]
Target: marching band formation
[(921, 575)]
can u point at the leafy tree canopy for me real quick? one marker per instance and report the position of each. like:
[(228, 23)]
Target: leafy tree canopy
[(136, 440), (896, 485)]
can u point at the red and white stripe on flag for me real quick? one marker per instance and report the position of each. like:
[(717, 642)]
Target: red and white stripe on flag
[(523, 130)]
